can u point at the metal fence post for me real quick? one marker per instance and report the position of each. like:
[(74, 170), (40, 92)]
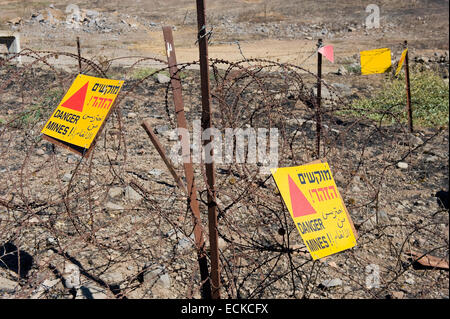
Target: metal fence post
[(206, 124)]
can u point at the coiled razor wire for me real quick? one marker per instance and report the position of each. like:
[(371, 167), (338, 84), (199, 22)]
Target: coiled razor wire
[(58, 210)]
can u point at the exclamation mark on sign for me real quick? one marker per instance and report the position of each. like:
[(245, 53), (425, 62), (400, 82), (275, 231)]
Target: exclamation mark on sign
[(312, 198), (331, 242)]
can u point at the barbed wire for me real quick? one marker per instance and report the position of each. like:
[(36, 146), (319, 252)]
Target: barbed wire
[(110, 227)]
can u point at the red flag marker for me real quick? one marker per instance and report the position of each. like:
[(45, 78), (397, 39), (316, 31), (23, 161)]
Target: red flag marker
[(327, 51)]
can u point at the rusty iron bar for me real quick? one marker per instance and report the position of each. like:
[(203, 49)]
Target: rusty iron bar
[(187, 161), (319, 100), (79, 54), (408, 91), (209, 165), (157, 144)]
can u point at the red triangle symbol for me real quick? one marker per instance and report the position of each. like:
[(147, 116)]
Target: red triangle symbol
[(76, 101), (300, 205)]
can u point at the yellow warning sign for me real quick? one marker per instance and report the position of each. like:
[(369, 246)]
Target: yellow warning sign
[(375, 61), (400, 62), (82, 111), (315, 205)]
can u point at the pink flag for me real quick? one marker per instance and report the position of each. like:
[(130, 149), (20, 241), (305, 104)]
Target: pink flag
[(327, 51)]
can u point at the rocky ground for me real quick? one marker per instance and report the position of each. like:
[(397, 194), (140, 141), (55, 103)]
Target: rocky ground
[(115, 224)]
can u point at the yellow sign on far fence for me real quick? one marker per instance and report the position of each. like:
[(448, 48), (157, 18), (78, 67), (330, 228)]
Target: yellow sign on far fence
[(375, 61), (81, 113), (315, 205)]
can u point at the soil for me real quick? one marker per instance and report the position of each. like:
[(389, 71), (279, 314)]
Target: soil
[(115, 224)]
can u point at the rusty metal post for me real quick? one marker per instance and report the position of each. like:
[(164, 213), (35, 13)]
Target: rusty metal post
[(79, 54), (206, 123), (408, 91), (319, 99), (156, 143), (187, 162)]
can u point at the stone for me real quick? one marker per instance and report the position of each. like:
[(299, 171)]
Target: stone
[(222, 244), (159, 276), (67, 177), (112, 206), (131, 194), (15, 21), (402, 165), (92, 14), (184, 243), (398, 294), (410, 281), (40, 152), (160, 129), (162, 79), (39, 18), (155, 172), (415, 140), (342, 88), (113, 278), (329, 283), (71, 276), (171, 135), (431, 159), (382, 217), (342, 71), (131, 115), (72, 159), (7, 285), (115, 192)]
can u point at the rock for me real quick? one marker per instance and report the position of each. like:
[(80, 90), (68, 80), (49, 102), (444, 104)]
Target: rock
[(398, 294), (15, 21), (112, 206), (325, 93), (113, 278), (48, 284), (184, 243), (342, 88), (40, 152), (410, 281), (171, 135), (415, 140), (92, 14), (131, 194), (328, 283), (115, 192), (402, 165), (160, 129), (159, 276), (155, 172), (342, 71), (72, 159), (431, 159), (382, 217), (7, 285), (162, 79), (67, 177), (222, 244), (39, 18), (131, 115), (71, 276)]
